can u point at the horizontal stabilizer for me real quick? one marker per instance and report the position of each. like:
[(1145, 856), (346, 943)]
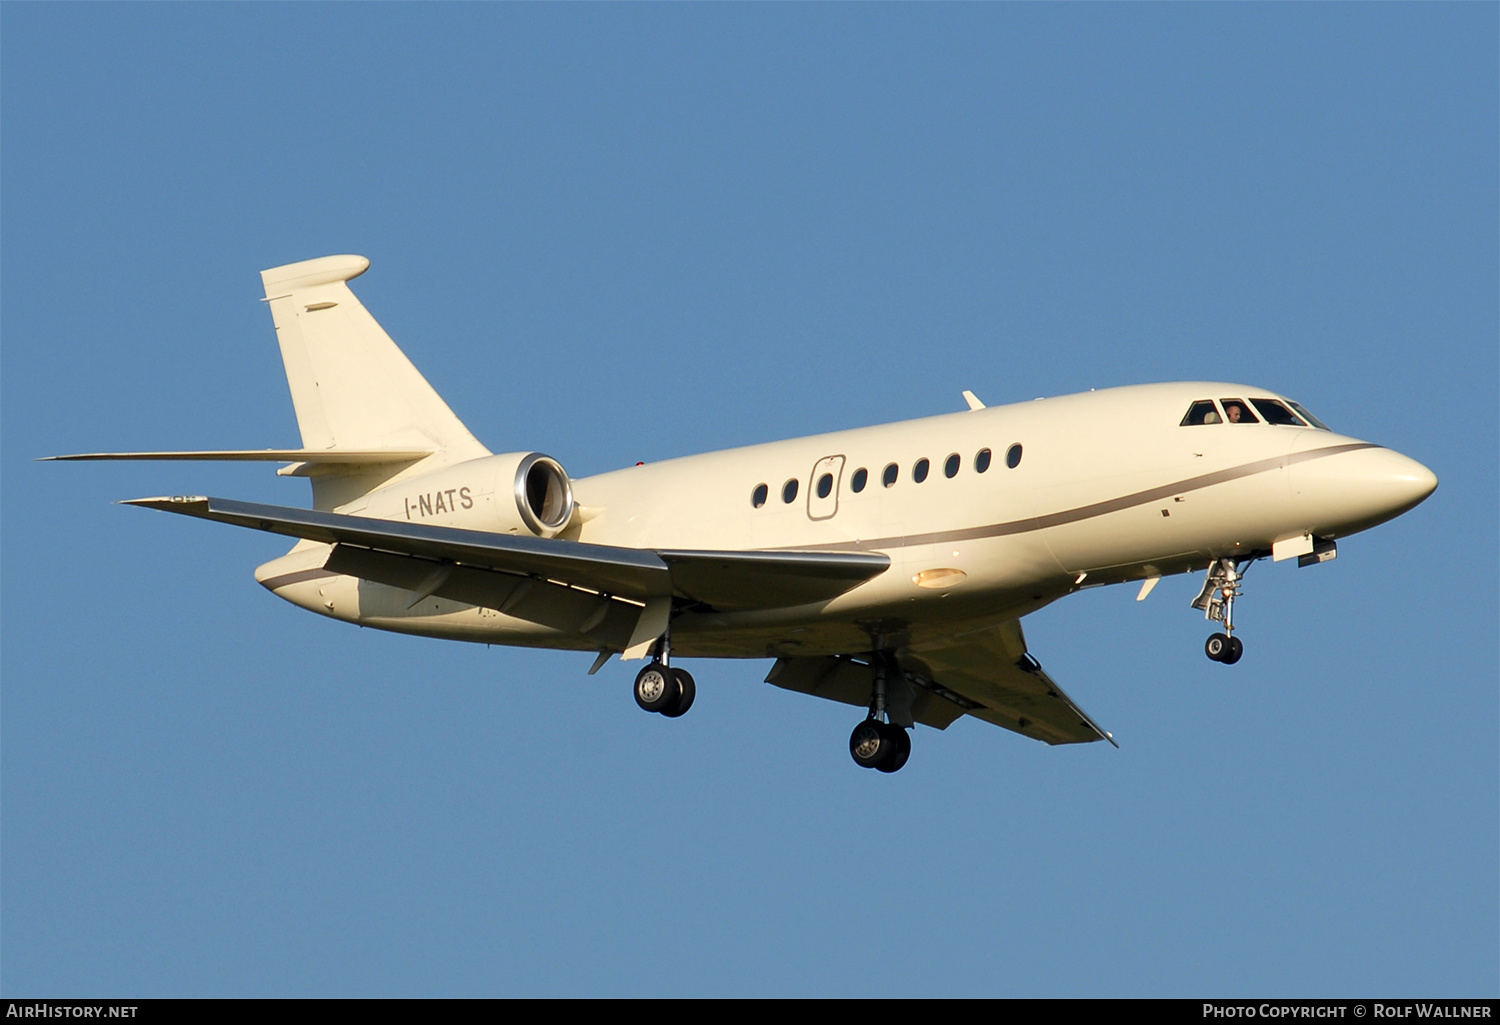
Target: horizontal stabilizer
[(350, 457), (735, 580)]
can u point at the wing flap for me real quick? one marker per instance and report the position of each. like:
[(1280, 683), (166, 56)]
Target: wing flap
[(738, 581), (847, 681), (608, 622)]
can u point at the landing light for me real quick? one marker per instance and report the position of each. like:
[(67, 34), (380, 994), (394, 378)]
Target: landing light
[(936, 578)]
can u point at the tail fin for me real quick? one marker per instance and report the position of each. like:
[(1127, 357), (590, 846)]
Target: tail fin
[(351, 386)]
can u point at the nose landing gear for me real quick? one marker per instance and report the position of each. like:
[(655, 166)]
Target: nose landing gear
[(1220, 587)]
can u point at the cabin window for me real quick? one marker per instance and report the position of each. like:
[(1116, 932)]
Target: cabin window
[(1302, 411), (889, 474), (789, 491), (1201, 412), (857, 482), (919, 470), (825, 485), (982, 460), (1013, 456), (1237, 411), (1275, 413), (759, 495), (950, 468)]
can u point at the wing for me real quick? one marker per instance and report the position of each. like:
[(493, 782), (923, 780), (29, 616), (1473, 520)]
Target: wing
[(987, 674), (396, 552), (1003, 684)]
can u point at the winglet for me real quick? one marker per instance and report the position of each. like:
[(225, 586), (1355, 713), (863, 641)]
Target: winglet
[(972, 400)]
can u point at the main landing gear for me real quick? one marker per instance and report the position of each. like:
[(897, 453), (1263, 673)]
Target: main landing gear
[(878, 743), (1224, 648), (661, 688), (1220, 587)]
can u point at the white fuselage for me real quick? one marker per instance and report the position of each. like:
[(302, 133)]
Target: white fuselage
[(1109, 487)]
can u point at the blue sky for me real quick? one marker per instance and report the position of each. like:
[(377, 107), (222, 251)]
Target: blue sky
[(615, 233)]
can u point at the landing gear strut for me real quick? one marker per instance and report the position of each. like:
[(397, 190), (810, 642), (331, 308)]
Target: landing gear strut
[(878, 743), (661, 688), (1220, 587)]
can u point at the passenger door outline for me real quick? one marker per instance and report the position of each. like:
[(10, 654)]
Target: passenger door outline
[(823, 507)]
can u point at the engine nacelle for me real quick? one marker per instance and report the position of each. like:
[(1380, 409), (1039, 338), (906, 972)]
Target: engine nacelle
[(515, 493)]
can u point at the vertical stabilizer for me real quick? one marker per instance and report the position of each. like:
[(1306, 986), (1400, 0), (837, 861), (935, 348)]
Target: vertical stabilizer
[(351, 386)]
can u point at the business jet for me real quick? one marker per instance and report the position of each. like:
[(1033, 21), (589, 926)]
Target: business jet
[(887, 567)]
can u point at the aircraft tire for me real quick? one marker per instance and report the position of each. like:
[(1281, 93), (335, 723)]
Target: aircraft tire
[(656, 687), (1217, 646), (687, 690), (1235, 650), (870, 744), (900, 749)]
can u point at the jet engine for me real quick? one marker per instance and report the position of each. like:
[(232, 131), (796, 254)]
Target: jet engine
[(514, 493)]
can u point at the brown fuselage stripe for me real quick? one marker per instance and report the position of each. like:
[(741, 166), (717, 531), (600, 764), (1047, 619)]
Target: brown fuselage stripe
[(1057, 519), (1085, 512)]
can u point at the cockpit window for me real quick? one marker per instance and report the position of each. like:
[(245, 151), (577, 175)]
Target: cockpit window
[(1236, 411), (1200, 413), (1275, 413), (1319, 424)]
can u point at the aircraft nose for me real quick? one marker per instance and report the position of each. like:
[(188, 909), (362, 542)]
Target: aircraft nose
[(1351, 485)]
